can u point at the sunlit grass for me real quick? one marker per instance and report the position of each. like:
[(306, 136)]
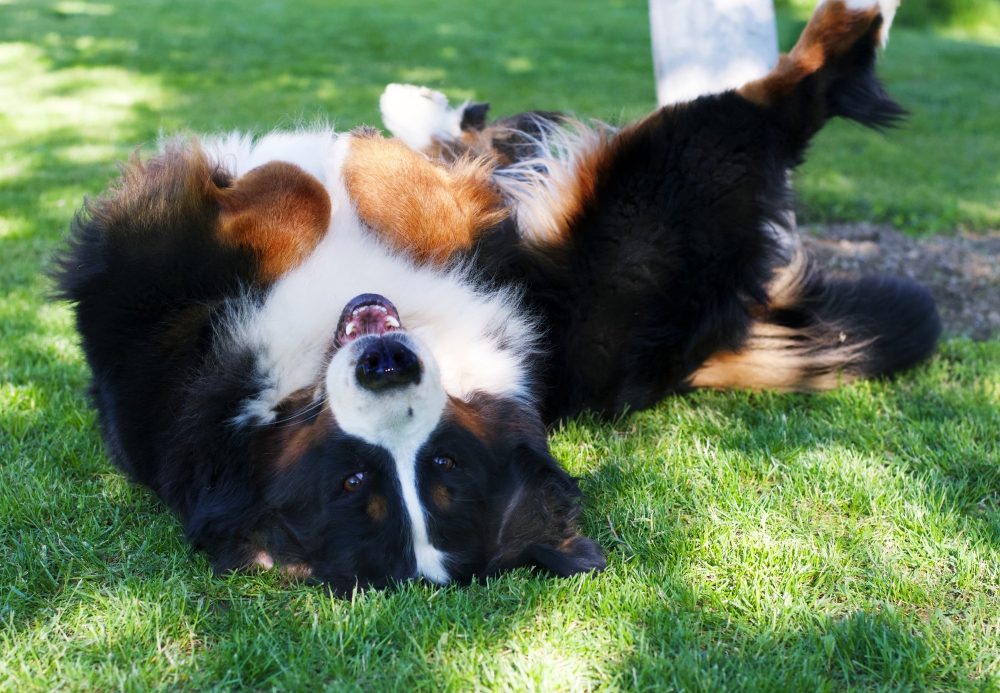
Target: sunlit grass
[(756, 541), (941, 170)]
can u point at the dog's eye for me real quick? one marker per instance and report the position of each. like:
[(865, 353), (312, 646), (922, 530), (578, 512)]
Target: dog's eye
[(353, 482), (444, 462)]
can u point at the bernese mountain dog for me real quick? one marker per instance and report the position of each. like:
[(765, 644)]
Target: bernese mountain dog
[(338, 353)]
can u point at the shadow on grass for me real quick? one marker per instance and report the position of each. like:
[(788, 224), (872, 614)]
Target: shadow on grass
[(758, 542), (677, 632), (810, 542), (870, 650), (243, 65)]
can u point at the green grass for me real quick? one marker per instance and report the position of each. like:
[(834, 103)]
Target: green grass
[(757, 541), (975, 15), (942, 169)]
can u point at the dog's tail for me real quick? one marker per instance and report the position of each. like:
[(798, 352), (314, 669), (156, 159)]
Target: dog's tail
[(817, 333)]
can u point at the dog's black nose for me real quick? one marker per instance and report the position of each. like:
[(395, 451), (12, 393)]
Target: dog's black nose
[(387, 363)]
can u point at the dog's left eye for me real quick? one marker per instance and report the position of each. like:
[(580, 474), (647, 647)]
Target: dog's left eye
[(353, 482), (444, 462)]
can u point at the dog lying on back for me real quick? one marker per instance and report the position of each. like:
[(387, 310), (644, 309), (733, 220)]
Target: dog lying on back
[(339, 353)]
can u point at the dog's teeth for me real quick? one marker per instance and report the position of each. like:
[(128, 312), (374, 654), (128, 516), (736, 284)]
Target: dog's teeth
[(391, 322), (349, 329), (355, 311), (383, 309)]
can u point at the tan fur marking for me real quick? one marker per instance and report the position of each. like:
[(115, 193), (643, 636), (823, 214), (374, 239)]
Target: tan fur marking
[(467, 416), (296, 571), (782, 358), (831, 31), (298, 430), (427, 210), (773, 362), (551, 193), (787, 284), (441, 497), (279, 211), (567, 544), (376, 508), (471, 144), (573, 203)]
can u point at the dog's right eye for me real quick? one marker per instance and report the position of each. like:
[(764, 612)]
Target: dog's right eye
[(444, 462), (353, 482)]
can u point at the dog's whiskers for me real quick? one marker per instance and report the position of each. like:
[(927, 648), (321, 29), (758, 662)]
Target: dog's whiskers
[(304, 411)]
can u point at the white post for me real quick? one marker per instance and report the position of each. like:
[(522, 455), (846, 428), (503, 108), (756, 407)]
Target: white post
[(708, 46)]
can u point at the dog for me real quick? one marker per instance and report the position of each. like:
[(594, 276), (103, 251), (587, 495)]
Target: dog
[(339, 354)]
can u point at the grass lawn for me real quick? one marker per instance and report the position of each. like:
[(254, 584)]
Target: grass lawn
[(757, 542), (942, 169)]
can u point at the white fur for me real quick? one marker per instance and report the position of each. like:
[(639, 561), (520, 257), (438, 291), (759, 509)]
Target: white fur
[(479, 339), (418, 115), (240, 152), (886, 7), (465, 329), (400, 421), (544, 189)]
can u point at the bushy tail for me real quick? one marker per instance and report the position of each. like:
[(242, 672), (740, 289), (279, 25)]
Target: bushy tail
[(818, 333)]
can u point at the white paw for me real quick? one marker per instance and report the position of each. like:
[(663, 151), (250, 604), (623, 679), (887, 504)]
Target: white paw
[(886, 7), (418, 115)]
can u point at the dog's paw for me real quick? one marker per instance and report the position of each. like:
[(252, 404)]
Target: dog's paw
[(418, 116), (887, 8), (840, 40)]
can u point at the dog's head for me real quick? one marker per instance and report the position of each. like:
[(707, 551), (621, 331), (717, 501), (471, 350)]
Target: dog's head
[(381, 476), (415, 449)]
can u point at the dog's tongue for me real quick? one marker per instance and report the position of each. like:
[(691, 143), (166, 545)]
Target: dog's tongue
[(367, 314)]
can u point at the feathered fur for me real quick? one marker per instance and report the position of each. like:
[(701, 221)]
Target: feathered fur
[(338, 355)]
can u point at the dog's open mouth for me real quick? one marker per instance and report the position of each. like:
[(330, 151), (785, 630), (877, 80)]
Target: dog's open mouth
[(367, 314)]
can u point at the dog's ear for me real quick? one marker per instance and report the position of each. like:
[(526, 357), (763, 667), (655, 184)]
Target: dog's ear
[(539, 519), (578, 554), (423, 208), (278, 211)]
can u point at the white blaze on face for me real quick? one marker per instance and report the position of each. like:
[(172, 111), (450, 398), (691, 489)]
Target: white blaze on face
[(399, 420)]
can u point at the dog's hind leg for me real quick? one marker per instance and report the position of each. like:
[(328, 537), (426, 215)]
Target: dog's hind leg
[(831, 71), (424, 121), (814, 333), (658, 248)]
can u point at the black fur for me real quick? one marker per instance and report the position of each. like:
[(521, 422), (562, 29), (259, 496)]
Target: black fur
[(665, 264), (896, 318), (668, 263), (474, 116)]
